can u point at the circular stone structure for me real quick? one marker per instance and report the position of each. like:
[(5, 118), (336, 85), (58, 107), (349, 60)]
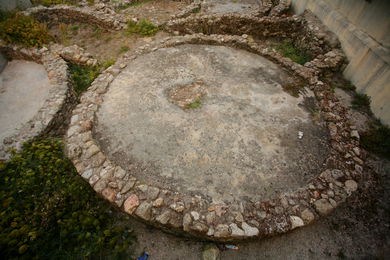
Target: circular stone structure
[(24, 88), (35, 98), (198, 136), (213, 121)]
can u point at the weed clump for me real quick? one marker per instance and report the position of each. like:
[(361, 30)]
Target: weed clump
[(48, 211), (24, 30), (289, 50), (82, 76), (194, 105), (143, 27), (377, 140), (361, 102)]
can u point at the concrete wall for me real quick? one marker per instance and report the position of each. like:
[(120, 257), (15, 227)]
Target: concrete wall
[(363, 28), (14, 4)]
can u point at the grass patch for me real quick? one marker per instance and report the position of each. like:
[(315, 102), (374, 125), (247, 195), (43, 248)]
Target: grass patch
[(196, 10), (123, 49), (17, 28), (287, 49), (4, 15), (49, 212), (194, 105), (143, 27), (377, 140), (346, 86), (108, 63), (361, 102), (82, 76)]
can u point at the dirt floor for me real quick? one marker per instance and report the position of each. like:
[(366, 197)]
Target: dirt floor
[(108, 45)]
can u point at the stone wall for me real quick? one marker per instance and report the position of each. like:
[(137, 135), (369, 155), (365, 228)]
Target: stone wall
[(196, 215), (50, 119), (99, 15), (363, 28)]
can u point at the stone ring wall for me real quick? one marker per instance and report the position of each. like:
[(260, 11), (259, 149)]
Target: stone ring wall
[(196, 215), (103, 17), (57, 107)]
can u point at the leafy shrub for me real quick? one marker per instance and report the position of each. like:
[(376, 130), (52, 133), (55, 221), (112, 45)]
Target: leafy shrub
[(48, 212), (143, 27), (4, 15), (24, 30), (361, 101), (82, 76), (288, 50), (346, 86), (377, 140)]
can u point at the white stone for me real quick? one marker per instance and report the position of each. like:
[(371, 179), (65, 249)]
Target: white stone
[(236, 231), (296, 222), (249, 230)]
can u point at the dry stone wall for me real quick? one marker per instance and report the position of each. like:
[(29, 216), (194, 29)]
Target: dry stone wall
[(196, 215), (56, 109), (99, 15)]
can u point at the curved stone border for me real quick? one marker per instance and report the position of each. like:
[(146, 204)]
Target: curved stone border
[(103, 17), (74, 54), (310, 38), (56, 109), (196, 215)]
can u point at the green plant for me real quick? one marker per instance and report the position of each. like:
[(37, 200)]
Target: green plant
[(48, 211), (143, 27), (346, 86), (377, 139), (97, 32), (82, 76), (64, 32), (195, 104), (124, 49), (196, 10), (289, 50), (108, 63), (4, 15), (24, 30), (361, 101)]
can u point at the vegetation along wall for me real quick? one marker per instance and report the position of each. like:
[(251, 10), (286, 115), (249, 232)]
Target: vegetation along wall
[(363, 27)]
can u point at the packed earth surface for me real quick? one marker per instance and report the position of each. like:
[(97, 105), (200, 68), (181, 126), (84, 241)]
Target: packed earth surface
[(242, 140), (236, 147)]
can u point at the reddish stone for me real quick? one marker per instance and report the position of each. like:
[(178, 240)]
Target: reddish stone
[(109, 194), (131, 203)]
